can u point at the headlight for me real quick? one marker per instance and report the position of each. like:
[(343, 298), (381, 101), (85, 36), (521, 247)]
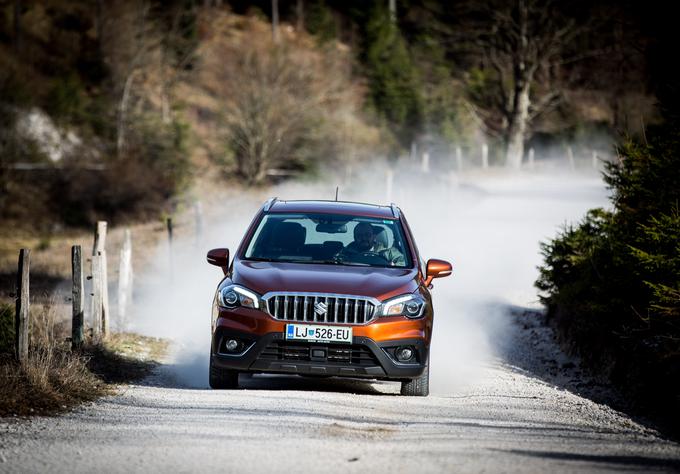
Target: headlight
[(412, 306), (232, 296)]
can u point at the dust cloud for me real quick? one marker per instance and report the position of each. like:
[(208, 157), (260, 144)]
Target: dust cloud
[(487, 222)]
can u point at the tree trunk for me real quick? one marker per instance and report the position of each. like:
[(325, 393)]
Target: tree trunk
[(275, 20), (122, 114), (17, 25), (517, 126), (99, 24), (300, 15)]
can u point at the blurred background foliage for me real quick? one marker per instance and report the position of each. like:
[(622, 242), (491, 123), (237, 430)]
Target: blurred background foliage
[(168, 93)]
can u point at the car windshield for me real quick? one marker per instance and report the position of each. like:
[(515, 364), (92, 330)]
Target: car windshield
[(329, 239)]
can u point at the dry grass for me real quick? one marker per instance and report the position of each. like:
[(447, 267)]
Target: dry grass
[(125, 357), (54, 379), (51, 380)]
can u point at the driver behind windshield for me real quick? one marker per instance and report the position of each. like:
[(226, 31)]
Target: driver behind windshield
[(365, 242)]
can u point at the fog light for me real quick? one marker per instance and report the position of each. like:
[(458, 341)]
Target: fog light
[(404, 353), (232, 345)]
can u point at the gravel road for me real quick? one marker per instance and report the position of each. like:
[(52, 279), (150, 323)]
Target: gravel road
[(504, 397), (512, 418)]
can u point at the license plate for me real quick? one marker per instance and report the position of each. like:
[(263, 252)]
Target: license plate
[(308, 332)]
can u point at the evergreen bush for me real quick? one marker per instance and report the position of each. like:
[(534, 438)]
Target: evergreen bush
[(612, 283)]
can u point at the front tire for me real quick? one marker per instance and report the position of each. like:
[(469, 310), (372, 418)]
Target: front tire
[(418, 387), (222, 379)]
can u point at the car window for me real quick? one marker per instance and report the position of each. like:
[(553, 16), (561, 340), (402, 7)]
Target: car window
[(329, 239)]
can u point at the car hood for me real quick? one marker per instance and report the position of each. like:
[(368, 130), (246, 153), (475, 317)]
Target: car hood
[(380, 283)]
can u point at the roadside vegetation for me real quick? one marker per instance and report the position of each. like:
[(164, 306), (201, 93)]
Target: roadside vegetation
[(54, 378), (612, 282)]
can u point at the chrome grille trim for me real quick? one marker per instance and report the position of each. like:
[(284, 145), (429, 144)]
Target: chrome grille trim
[(356, 310)]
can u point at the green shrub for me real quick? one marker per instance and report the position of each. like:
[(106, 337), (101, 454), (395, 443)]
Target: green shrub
[(14, 87), (319, 21), (612, 283), (66, 99), (395, 87), (658, 254)]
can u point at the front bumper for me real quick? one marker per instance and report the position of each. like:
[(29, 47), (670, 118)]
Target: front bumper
[(265, 349)]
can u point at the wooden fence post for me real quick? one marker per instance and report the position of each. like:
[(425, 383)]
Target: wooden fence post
[(531, 158), (22, 316), (125, 280), (97, 298), (169, 226), (570, 157), (78, 290), (100, 249), (99, 238), (485, 156), (168, 223), (425, 163), (459, 159)]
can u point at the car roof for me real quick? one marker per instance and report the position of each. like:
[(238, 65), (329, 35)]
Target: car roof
[(333, 207)]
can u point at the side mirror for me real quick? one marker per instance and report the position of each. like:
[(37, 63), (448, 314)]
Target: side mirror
[(219, 258), (437, 269)]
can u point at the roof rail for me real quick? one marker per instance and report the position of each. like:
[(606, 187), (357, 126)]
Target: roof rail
[(395, 209), (267, 205)]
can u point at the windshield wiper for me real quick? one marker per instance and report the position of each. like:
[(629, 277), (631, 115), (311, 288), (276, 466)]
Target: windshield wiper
[(342, 262), (278, 260), (327, 262)]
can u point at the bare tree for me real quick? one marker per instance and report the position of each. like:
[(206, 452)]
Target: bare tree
[(269, 110), (143, 46), (127, 44), (522, 42), (280, 105)]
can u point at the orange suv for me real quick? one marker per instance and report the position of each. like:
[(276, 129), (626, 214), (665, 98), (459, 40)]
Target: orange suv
[(325, 288)]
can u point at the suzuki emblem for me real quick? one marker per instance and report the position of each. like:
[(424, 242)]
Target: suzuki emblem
[(320, 308)]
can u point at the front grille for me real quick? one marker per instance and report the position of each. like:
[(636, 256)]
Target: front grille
[(309, 307), (354, 354)]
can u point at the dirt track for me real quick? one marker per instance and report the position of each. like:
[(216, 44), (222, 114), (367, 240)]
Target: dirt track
[(508, 420), (505, 398)]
